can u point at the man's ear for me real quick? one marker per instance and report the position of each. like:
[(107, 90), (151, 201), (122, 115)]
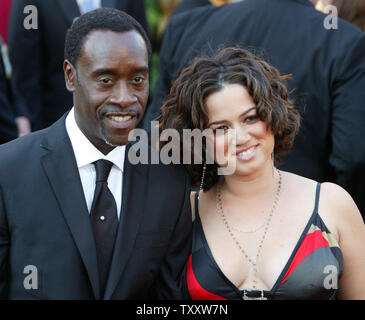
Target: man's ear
[(70, 75)]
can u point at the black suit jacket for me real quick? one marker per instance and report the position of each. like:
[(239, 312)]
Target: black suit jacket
[(187, 5), (328, 68), (37, 55), (8, 130), (44, 222)]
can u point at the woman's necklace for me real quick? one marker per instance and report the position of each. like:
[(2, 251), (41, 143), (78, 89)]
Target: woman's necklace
[(252, 230), (229, 228)]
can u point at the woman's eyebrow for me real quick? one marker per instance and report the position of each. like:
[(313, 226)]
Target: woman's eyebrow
[(247, 111)]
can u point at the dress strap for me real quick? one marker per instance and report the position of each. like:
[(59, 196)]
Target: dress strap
[(196, 203), (318, 189)]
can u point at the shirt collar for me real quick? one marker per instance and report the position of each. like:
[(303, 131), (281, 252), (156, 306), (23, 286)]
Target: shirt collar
[(85, 152)]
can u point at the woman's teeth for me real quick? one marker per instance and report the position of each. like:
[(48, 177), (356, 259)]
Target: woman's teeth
[(247, 152)]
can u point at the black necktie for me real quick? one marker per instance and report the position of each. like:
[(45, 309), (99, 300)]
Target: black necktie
[(104, 220)]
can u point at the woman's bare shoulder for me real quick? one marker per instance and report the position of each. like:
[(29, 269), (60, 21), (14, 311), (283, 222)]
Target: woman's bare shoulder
[(337, 198), (338, 207), (330, 193)]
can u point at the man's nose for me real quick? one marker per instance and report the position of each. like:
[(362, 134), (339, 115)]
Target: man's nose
[(123, 95)]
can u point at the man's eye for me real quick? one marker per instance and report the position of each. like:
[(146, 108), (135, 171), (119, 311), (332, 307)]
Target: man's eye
[(105, 80), (138, 80)]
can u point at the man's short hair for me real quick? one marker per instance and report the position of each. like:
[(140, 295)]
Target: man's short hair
[(99, 19)]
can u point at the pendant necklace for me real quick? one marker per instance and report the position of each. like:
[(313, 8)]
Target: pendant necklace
[(230, 229)]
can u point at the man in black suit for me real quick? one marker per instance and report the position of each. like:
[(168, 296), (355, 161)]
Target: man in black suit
[(53, 235), (13, 112), (7, 117), (328, 68), (37, 54), (187, 5)]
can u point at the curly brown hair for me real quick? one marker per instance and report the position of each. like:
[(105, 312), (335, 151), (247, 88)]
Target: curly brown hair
[(185, 104)]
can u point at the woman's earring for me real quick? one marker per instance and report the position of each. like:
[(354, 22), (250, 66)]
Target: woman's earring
[(272, 163), (203, 177)]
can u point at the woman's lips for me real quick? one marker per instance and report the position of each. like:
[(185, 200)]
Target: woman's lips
[(247, 154)]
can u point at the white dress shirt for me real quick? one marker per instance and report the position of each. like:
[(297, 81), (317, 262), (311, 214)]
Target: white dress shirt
[(86, 154)]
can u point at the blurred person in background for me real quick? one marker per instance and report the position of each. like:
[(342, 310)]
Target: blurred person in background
[(36, 53), (13, 111), (5, 6), (350, 10), (186, 5), (19, 108), (7, 117)]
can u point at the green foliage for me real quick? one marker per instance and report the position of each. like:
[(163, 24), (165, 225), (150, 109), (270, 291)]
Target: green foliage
[(157, 13), (153, 14)]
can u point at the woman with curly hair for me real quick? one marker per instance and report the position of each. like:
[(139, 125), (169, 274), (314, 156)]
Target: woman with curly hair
[(259, 233)]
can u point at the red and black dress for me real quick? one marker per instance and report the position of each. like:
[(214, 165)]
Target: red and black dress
[(312, 271)]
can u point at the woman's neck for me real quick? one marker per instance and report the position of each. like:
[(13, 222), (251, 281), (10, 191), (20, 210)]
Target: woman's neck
[(251, 186)]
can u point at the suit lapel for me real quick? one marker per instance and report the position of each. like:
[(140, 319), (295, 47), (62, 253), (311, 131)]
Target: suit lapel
[(60, 167), (135, 182), (70, 9)]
